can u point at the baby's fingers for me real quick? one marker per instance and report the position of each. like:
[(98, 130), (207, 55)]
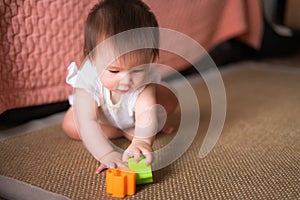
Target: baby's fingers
[(101, 168), (149, 158), (147, 152), (126, 156), (137, 157)]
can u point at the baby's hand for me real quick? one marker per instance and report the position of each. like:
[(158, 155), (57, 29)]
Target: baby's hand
[(111, 160), (138, 148)]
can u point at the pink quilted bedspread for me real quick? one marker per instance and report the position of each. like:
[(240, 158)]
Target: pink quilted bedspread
[(40, 38)]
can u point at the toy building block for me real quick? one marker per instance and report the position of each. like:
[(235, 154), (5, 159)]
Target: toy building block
[(143, 172), (120, 182)]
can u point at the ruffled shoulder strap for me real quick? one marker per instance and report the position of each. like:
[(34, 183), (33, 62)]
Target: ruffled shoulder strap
[(72, 74), (85, 78)]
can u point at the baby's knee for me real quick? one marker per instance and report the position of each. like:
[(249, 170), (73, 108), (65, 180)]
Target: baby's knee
[(69, 127), (111, 132)]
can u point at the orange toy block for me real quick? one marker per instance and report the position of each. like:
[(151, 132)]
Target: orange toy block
[(120, 182)]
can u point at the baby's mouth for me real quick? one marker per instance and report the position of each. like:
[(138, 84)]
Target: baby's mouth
[(123, 88)]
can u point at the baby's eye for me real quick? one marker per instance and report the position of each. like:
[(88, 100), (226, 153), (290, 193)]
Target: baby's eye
[(138, 70), (113, 71)]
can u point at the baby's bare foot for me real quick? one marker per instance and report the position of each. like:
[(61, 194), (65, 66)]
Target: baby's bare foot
[(168, 129)]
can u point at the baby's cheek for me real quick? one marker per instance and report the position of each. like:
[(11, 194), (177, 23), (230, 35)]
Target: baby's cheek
[(140, 79), (109, 82), (138, 76)]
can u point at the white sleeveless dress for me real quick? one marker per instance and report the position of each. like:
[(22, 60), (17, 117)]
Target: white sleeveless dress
[(121, 114)]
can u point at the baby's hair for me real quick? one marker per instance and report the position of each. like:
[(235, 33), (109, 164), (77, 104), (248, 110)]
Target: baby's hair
[(110, 17)]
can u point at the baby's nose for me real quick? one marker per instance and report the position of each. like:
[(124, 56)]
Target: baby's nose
[(125, 79)]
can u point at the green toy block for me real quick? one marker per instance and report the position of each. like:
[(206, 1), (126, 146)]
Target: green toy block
[(143, 172)]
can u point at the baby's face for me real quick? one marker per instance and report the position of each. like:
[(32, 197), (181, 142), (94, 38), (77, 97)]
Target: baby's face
[(122, 77)]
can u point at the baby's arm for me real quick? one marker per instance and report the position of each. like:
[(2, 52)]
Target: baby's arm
[(86, 113), (145, 126)]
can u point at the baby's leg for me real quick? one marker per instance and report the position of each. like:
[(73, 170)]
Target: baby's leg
[(112, 132), (166, 98), (69, 126)]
